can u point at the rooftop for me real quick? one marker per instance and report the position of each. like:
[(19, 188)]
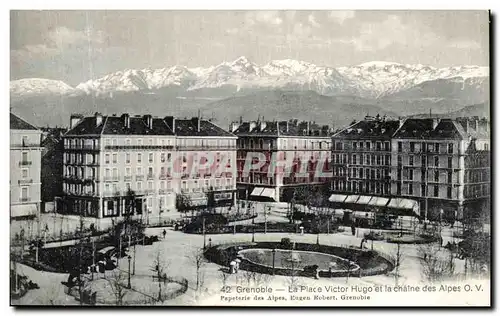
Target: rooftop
[(280, 128), (368, 128), (146, 125), (18, 123)]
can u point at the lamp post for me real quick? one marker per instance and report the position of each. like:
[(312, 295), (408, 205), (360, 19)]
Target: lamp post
[(209, 242), (274, 257), (204, 236), (129, 286), (253, 229)]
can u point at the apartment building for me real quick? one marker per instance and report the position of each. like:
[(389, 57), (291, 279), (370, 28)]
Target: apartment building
[(305, 145), (107, 157), (433, 160), (25, 168), (435, 168)]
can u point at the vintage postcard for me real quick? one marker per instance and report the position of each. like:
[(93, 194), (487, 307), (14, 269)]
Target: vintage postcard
[(250, 158)]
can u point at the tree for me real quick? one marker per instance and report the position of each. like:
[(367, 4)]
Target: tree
[(159, 268), (117, 286), (434, 265), (183, 203), (398, 258), (211, 200), (289, 261), (197, 258)]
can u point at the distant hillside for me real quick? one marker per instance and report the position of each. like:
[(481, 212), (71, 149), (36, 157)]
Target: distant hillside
[(306, 105), (480, 110)]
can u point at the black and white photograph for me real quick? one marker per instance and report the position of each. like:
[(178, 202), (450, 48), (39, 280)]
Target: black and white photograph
[(250, 158)]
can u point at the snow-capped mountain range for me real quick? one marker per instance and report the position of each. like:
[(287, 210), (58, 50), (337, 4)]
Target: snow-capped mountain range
[(368, 80)]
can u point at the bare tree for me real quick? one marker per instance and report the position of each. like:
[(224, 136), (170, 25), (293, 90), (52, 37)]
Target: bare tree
[(159, 269), (434, 266), (117, 286), (398, 257), (197, 258), (290, 262)]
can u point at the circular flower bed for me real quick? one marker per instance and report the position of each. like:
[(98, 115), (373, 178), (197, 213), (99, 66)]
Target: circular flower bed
[(332, 261)]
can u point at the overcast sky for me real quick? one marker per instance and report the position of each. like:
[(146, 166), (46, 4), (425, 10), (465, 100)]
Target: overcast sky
[(75, 46)]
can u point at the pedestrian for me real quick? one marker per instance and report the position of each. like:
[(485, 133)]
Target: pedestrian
[(164, 233), (237, 266), (232, 267), (353, 228)]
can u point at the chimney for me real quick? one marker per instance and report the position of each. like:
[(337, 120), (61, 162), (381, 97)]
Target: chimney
[(435, 122), (170, 120), (148, 120), (74, 120), (253, 124), (126, 120), (196, 122), (263, 125), (234, 126)]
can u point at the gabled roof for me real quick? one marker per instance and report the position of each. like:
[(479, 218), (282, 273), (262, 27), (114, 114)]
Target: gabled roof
[(448, 129), (368, 129), (18, 123), (115, 125), (415, 128), (188, 127)]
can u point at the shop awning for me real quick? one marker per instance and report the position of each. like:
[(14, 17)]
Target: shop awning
[(363, 199), (23, 210), (339, 212), (378, 201), (257, 191), (268, 193), (351, 199), (338, 198), (406, 204)]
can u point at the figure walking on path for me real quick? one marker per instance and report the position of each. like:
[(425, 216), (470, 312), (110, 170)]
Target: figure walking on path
[(164, 233)]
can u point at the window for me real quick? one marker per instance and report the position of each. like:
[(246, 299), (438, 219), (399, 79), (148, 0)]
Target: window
[(411, 161), (424, 161), (139, 185), (127, 157), (410, 188), (162, 185), (107, 141), (169, 156), (412, 147), (115, 158), (410, 174), (127, 186), (436, 161), (387, 146), (106, 158), (387, 160), (113, 141), (162, 157), (436, 176), (450, 162), (437, 147), (24, 193), (150, 185), (139, 171), (400, 160), (127, 142), (127, 171), (436, 191), (450, 177), (355, 145), (368, 145), (399, 174), (430, 147), (398, 189), (379, 146), (423, 190), (150, 171), (448, 192), (400, 147), (25, 173), (150, 141), (450, 148), (115, 173), (139, 142), (139, 158), (150, 157)]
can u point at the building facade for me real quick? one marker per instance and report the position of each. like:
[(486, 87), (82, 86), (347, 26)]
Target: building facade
[(111, 162), (25, 168), (439, 168), (304, 146)]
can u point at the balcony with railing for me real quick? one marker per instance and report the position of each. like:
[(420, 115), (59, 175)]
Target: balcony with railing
[(25, 163), (151, 176), (139, 177), (25, 181), (111, 178), (162, 191), (127, 178), (25, 199)]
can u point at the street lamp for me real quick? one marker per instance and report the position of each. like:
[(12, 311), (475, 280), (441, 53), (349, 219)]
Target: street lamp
[(204, 236), (253, 229), (129, 257), (274, 257)]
